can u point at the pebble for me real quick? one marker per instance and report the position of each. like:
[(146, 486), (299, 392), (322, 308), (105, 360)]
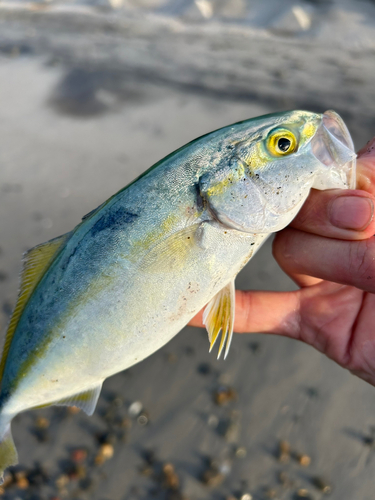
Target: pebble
[(302, 493), (212, 475), (284, 451), (99, 459), (62, 481), (246, 496), (224, 395), (232, 431), (143, 419), (126, 423), (106, 451), (225, 467), (79, 455), (293, 20), (106, 437), (22, 483), (241, 452), (73, 410), (204, 369), (304, 460), (322, 485), (135, 409), (42, 423), (117, 402), (78, 472), (37, 476), (213, 421), (171, 479)]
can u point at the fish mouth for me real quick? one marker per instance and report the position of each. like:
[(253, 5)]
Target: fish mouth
[(333, 146)]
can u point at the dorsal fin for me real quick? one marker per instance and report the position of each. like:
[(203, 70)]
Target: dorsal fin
[(35, 262)]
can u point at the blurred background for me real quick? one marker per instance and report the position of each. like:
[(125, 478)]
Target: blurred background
[(92, 93)]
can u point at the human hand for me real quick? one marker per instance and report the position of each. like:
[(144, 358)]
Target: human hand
[(329, 251)]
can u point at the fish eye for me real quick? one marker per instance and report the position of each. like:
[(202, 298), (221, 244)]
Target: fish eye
[(281, 142)]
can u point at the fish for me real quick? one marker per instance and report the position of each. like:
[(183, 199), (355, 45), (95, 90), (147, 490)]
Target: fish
[(138, 268)]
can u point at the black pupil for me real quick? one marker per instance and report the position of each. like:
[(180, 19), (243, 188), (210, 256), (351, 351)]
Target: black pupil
[(283, 144)]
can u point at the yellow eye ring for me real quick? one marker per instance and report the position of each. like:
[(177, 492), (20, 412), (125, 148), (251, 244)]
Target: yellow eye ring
[(281, 142)]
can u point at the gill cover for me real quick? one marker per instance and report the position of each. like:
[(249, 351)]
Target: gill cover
[(263, 184)]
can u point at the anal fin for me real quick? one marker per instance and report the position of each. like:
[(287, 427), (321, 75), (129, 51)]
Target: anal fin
[(218, 317), (86, 400)]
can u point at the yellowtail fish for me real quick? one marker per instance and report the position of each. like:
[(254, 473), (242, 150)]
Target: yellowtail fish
[(133, 273)]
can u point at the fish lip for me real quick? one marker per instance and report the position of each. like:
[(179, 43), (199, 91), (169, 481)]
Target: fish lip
[(333, 146)]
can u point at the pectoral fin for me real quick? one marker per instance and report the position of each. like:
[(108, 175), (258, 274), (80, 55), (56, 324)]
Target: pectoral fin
[(86, 401), (219, 316)]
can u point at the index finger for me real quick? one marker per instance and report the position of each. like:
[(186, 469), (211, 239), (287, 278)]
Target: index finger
[(342, 214)]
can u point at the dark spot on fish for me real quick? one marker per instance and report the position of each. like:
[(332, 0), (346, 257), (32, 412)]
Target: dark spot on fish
[(113, 220), (198, 197), (66, 263)]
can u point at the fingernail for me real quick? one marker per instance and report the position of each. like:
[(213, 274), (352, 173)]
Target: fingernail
[(351, 212)]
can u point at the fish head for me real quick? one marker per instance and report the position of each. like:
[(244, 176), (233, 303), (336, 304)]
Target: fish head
[(267, 166)]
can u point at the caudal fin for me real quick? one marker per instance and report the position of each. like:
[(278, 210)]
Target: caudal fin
[(8, 452)]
